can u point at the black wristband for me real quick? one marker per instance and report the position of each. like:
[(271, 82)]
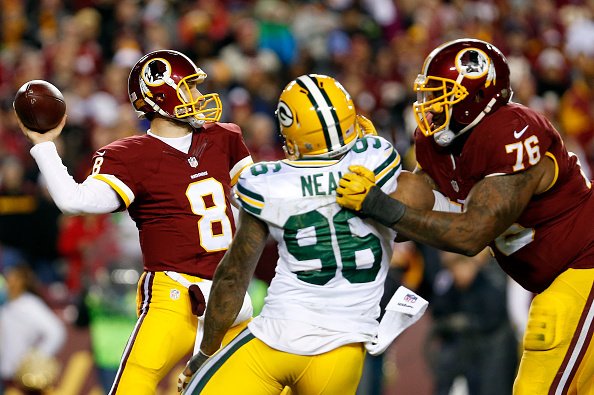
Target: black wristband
[(382, 208), (195, 362)]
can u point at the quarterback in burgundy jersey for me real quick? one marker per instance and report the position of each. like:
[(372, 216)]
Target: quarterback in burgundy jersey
[(178, 200), (520, 192), (175, 182)]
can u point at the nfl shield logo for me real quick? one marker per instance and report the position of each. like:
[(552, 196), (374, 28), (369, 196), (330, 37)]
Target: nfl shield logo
[(174, 294), (410, 298), (455, 186), (193, 161)]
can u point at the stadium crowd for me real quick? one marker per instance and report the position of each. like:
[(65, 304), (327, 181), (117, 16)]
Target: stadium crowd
[(250, 49)]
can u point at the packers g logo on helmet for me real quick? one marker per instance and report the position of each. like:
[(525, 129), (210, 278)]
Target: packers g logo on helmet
[(284, 114), (317, 118)]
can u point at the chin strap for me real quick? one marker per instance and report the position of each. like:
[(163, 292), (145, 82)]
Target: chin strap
[(446, 136), (195, 121)]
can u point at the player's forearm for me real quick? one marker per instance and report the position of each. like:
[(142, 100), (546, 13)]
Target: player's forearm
[(231, 281), (224, 303), (492, 206), (465, 233), (446, 231), (70, 196)]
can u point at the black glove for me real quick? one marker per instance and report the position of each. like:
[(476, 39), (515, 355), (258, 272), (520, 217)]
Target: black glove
[(381, 207)]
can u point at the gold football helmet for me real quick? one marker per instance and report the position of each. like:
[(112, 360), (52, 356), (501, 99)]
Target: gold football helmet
[(317, 118)]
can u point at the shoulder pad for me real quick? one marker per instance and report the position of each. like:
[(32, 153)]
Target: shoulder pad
[(220, 126)]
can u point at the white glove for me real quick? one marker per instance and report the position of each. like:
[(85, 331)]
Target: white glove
[(404, 309)]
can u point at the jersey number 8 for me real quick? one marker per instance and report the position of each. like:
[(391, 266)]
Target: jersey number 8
[(207, 199)]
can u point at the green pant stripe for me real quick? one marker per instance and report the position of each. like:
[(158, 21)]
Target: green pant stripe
[(213, 364)]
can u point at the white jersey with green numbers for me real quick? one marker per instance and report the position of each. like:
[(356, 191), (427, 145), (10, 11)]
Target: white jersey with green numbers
[(332, 264)]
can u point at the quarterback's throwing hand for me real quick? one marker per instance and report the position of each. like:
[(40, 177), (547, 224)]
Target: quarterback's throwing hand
[(353, 187)]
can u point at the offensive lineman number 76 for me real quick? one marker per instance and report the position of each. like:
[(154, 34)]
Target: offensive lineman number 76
[(532, 151)]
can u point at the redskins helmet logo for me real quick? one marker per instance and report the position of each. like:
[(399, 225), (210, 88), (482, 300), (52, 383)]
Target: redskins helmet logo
[(156, 72), (473, 63), (284, 114)]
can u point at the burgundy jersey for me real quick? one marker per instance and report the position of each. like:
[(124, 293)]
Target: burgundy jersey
[(556, 230), (179, 201)]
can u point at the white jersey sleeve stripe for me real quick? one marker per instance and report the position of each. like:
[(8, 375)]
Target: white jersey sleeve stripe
[(235, 172)]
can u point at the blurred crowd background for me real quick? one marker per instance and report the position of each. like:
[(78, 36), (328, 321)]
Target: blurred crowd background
[(85, 268)]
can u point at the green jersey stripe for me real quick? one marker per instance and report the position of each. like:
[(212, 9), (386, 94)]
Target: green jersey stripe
[(259, 199), (388, 176), (221, 358), (250, 201), (394, 155), (247, 207)]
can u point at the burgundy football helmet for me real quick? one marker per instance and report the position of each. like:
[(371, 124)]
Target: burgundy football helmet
[(461, 82), (158, 84)]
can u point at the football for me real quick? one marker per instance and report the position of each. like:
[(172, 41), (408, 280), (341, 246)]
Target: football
[(39, 105)]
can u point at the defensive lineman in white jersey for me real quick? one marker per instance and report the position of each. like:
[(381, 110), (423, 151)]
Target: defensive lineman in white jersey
[(323, 303), (332, 265)]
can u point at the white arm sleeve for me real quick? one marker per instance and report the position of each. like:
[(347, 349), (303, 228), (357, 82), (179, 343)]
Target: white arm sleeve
[(90, 197), (442, 203)]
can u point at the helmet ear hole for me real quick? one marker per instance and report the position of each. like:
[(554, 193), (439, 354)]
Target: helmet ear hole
[(479, 97), (290, 151)]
